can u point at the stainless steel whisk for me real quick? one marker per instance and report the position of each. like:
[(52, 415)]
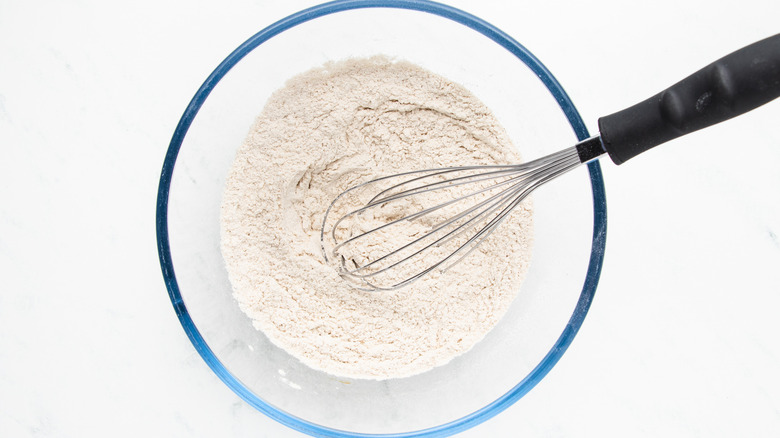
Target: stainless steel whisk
[(394, 230)]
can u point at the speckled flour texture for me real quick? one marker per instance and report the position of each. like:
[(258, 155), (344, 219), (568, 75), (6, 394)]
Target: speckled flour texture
[(325, 131)]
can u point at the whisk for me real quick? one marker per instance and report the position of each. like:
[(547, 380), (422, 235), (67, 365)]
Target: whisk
[(391, 231)]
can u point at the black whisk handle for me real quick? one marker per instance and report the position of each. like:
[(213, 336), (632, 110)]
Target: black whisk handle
[(730, 86)]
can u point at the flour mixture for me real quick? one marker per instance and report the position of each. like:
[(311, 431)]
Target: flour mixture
[(325, 131)]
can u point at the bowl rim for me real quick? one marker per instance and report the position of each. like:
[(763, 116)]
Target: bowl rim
[(499, 37)]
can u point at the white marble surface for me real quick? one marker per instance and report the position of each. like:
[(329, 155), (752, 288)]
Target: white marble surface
[(682, 336)]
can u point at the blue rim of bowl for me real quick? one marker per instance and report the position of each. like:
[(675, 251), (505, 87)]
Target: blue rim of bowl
[(504, 40)]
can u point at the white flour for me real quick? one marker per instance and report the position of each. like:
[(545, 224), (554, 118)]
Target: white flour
[(325, 131)]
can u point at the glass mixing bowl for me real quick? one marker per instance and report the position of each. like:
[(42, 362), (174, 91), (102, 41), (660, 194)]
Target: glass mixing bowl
[(570, 222)]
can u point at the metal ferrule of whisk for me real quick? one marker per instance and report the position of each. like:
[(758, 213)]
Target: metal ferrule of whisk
[(391, 231)]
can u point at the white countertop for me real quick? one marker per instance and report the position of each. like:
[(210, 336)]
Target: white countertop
[(682, 337)]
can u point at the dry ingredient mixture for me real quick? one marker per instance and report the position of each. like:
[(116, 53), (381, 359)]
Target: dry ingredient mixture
[(325, 131)]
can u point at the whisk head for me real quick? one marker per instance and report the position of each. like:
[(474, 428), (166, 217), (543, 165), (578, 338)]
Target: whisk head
[(389, 232)]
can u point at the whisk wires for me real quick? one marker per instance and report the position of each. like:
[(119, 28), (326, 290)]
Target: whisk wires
[(415, 223)]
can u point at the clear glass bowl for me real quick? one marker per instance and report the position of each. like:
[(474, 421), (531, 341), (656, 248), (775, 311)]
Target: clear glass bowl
[(570, 222)]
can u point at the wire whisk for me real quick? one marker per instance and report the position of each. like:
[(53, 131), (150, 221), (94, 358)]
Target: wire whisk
[(389, 232)]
